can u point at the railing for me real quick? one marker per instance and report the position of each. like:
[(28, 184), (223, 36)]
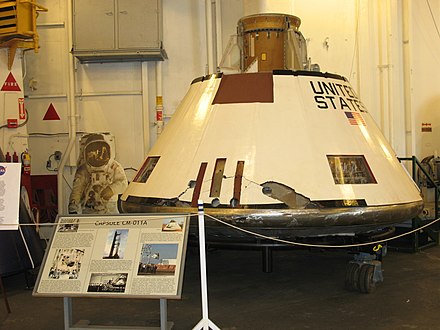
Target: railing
[(417, 165), (430, 235)]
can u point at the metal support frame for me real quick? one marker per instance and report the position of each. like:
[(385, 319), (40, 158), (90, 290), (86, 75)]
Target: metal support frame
[(84, 325), (267, 259), (427, 237), (5, 297)]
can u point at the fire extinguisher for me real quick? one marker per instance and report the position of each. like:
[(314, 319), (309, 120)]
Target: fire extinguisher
[(26, 162)]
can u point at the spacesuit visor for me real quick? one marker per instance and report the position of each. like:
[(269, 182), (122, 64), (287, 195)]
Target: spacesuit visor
[(97, 153)]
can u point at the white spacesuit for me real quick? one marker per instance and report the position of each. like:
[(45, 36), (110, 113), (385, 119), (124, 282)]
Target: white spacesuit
[(98, 179)]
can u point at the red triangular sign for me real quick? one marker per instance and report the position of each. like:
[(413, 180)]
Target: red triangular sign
[(10, 84), (51, 113)]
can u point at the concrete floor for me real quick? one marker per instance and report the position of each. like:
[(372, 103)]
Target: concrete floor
[(305, 290)]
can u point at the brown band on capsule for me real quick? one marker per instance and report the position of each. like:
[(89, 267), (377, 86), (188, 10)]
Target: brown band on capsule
[(238, 180), (198, 187)]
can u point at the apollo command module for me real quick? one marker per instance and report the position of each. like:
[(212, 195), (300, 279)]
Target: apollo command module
[(278, 149)]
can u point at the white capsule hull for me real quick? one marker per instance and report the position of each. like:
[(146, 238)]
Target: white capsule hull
[(296, 151)]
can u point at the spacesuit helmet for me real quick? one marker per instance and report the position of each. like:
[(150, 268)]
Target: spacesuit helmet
[(97, 153)]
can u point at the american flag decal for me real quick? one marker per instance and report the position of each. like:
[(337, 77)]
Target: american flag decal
[(355, 118)]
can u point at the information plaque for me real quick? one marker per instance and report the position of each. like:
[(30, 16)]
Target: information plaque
[(134, 256), (9, 195)]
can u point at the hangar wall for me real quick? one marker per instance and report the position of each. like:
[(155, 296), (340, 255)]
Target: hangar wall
[(389, 50), (425, 68)]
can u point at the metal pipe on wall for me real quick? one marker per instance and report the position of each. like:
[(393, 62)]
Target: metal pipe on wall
[(116, 93), (358, 48), (410, 140), (214, 35), (381, 66), (159, 98), (218, 32), (209, 38), (71, 109), (145, 108), (389, 47)]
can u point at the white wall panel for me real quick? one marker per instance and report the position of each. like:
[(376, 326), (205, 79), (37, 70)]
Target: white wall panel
[(329, 28), (108, 77), (15, 139), (184, 42), (46, 70), (232, 11), (37, 109), (40, 155), (56, 14), (122, 117), (425, 47)]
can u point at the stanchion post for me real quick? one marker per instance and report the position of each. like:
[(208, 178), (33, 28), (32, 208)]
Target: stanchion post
[(205, 323), (163, 314), (67, 313), (5, 297)]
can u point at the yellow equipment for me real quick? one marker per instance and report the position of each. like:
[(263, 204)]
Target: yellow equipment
[(18, 26)]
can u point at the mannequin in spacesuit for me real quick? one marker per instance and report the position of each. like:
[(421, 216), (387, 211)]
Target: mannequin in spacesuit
[(98, 180)]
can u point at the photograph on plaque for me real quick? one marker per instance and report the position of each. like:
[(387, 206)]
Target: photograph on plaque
[(104, 282), (68, 227), (116, 244), (158, 259), (66, 264), (172, 225)]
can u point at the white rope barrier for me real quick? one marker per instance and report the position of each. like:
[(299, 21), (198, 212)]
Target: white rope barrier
[(261, 235), (321, 245), (27, 248)]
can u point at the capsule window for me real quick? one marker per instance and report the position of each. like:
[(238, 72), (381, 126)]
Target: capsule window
[(146, 169), (350, 169)]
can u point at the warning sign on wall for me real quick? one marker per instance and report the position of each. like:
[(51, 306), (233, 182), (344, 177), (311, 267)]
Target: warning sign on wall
[(51, 113), (426, 127), (10, 84), (21, 111)]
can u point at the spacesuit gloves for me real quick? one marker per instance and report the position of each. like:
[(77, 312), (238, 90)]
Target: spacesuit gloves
[(107, 193)]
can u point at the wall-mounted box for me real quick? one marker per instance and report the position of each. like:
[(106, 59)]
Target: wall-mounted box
[(117, 30), (16, 19), (18, 26)]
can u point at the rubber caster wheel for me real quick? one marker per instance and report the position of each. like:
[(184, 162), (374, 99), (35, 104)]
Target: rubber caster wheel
[(352, 276), (366, 283)]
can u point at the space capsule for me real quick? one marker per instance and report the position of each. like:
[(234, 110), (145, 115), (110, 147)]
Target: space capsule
[(278, 148)]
